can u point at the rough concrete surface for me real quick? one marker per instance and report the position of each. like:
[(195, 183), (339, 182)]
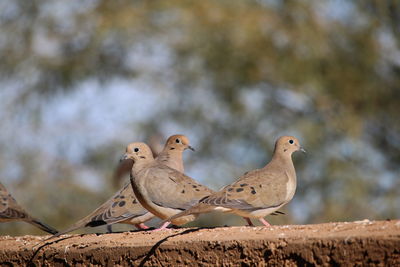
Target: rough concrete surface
[(361, 243)]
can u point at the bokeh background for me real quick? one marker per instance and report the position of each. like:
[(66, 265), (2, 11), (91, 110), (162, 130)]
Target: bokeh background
[(80, 79)]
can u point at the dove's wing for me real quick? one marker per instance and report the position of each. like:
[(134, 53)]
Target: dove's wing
[(171, 189)]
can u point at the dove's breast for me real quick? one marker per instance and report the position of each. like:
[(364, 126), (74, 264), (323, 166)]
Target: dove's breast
[(290, 187)]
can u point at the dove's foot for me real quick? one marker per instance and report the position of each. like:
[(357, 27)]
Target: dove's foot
[(163, 227), (263, 221), (141, 226)]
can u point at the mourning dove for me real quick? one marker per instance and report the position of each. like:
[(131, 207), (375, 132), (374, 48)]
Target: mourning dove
[(123, 207), (162, 190), (11, 211), (257, 193)]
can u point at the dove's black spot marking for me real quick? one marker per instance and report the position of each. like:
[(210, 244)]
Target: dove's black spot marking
[(134, 201), (239, 190), (121, 196), (260, 186), (183, 192), (115, 204), (172, 148), (197, 189), (242, 185), (142, 157), (194, 186), (121, 204), (228, 195), (4, 198), (285, 150), (253, 191), (230, 189)]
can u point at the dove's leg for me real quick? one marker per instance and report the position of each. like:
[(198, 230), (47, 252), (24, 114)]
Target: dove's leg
[(249, 222), (263, 221), (163, 227), (109, 228), (141, 226)]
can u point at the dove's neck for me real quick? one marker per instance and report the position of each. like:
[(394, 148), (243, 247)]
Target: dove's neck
[(282, 161), (140, 165), (172, 159)]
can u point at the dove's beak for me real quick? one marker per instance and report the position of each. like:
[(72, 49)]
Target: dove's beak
[(125, 157), (302, 150), (191, 148)]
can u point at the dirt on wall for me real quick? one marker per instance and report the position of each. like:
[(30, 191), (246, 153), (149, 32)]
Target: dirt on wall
[(366, 243)]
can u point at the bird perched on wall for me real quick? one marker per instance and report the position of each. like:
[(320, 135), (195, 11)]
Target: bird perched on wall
[(257, 193), (10, 211), (123, 207), (162, 190)]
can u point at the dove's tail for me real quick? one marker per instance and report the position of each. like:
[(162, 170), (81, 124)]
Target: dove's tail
[(276, 213), (43, 226), (74, 227), (80, 224)]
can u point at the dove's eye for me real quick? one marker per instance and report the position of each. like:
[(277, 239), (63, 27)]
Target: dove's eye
[(291, 141), (136, 149), (177, 141)]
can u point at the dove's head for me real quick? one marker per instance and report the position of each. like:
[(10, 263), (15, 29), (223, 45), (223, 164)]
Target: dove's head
[(287, 145), (178, 142), (138, 152)]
